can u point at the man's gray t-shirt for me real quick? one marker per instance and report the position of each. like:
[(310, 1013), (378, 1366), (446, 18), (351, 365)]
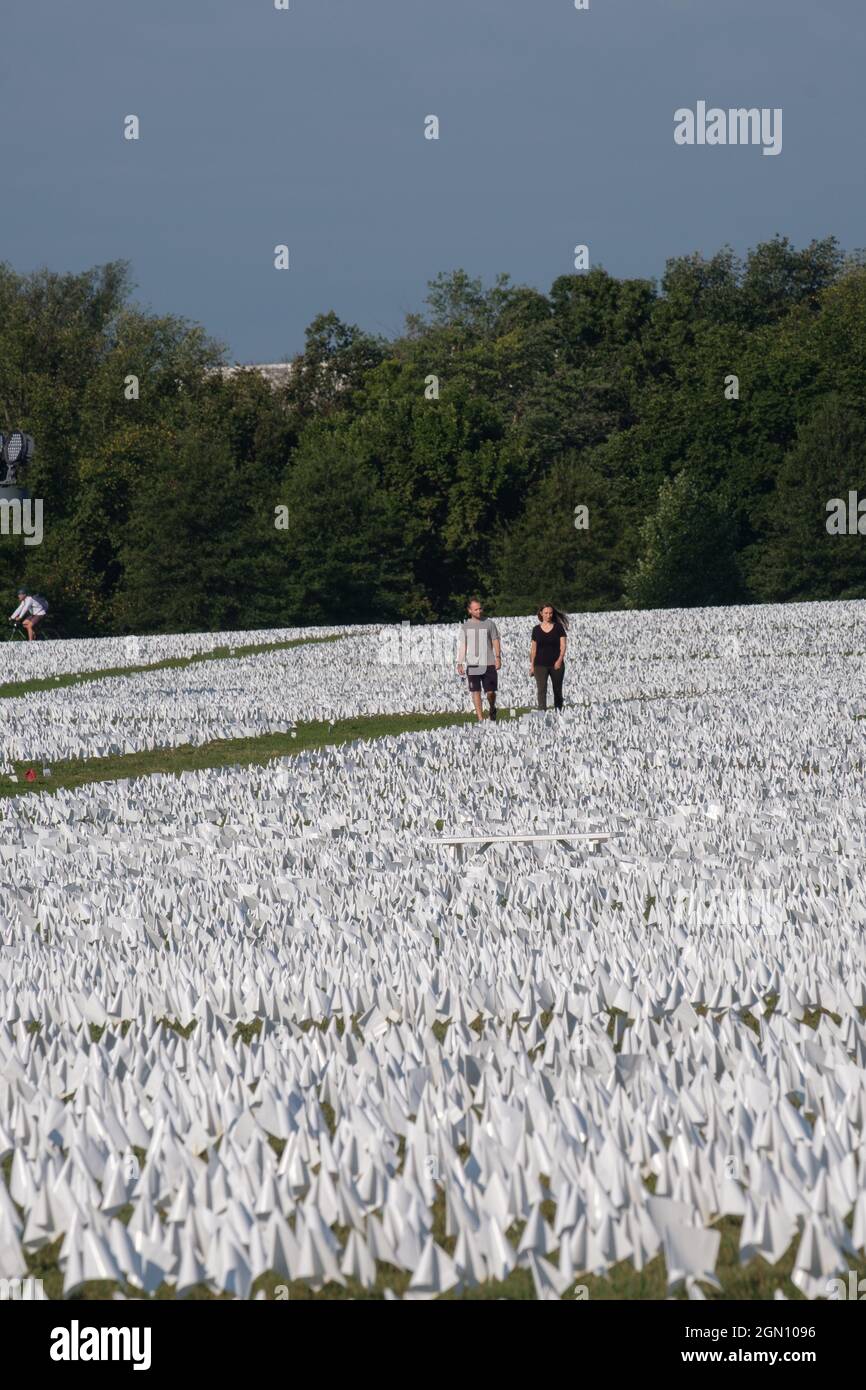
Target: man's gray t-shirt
[(476, 640)]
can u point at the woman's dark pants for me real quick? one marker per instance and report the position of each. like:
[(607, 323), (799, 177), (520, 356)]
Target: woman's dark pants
[(556, 679)]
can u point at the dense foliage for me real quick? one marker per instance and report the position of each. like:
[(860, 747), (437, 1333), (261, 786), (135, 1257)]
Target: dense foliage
[(405, 494)]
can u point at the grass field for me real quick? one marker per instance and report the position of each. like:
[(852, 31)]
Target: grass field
[(11, 690), (79, 772)]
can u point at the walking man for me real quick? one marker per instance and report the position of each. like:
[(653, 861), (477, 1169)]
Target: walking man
[(480, 651)]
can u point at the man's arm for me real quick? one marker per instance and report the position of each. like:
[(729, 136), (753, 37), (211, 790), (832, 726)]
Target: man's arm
[(461, 649), (19, 613), (497, 645)]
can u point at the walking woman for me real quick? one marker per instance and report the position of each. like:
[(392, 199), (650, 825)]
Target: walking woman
[(547, 653)]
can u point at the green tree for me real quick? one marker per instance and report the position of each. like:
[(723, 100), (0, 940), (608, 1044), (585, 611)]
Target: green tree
[(688, 553), (801, 559), (190, 561), (482, 426), (69, 345), (545, 554), (345, 546)]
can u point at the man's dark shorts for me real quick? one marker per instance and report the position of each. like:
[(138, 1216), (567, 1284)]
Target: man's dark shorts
[(487, 680)]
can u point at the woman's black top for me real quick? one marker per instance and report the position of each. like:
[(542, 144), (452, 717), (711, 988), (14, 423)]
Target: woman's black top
[(547, 644)]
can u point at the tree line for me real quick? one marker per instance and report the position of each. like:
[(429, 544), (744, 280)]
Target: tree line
[(703, 422)]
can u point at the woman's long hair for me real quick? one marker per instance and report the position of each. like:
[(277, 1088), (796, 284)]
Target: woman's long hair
[(557, 616)]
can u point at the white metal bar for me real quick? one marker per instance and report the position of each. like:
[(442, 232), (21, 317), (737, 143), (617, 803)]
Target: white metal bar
[(485, 840)]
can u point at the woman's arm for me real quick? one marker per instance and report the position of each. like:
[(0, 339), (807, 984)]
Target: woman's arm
[(563, 643), (532, 650)]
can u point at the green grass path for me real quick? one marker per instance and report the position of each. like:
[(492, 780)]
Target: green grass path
[(12, 689), (250, 752)]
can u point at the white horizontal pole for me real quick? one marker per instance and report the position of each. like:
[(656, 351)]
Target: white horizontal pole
[(506, 839)]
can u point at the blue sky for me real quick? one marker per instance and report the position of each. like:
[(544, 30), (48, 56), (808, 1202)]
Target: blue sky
[(306, 127)]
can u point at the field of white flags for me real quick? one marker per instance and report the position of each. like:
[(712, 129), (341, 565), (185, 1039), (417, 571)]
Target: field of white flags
[(265, 1034), (735, 653)]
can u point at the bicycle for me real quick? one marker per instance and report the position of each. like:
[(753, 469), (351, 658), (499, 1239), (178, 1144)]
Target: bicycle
[(45, 632)]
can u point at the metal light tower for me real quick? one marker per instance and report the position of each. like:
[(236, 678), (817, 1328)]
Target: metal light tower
[(16, 451)]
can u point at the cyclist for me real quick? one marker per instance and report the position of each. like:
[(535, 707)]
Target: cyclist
[(30, 612)]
